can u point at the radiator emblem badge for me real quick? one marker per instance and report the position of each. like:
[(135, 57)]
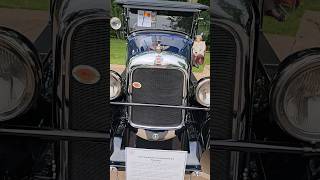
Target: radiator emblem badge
[(158, 60), (136, 85), (86, 74)]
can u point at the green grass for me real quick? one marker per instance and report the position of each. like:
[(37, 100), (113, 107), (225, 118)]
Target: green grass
[(26, 4), (118, 51), (207, 62), (118, 54), (292, 23)]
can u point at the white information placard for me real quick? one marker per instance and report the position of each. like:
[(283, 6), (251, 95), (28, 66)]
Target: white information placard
[(150, 164), (144, 18)]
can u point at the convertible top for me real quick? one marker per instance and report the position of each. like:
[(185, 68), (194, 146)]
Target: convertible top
[(163, 5)]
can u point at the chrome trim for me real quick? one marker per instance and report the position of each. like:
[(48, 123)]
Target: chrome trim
[(200, 84), (161, 136), (159, 105), (116, 76), (170, 61)]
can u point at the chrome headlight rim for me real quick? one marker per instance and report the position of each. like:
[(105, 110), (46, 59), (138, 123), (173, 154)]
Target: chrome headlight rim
[(19, 46), (117, 77), (201, 83), (289, 72)]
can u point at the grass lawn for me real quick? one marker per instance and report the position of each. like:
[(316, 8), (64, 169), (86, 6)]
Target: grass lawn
[(26, 4), (292, 23), (118, 54)]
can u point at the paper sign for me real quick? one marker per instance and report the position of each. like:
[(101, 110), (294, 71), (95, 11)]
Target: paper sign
[(144, 18), (150, 164)]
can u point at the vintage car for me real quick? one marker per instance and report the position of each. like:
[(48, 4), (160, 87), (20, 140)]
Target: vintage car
[(54, 111), (265, 122), (157, 103)]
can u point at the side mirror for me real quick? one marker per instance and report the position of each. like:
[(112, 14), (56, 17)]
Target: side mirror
[(115, 23)]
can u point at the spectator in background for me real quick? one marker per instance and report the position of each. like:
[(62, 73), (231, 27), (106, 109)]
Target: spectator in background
[(271, 10), (198, 51)]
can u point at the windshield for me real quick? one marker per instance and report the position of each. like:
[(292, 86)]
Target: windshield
[(164, 20), (174, 43)]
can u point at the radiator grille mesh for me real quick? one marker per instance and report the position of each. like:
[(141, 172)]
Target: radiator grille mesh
[(223, 79), (158, 86), (88, 160), (89, 103)]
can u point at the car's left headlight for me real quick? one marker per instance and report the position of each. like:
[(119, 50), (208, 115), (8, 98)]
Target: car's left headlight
[(20, 74), (115, 85), (203, 92)]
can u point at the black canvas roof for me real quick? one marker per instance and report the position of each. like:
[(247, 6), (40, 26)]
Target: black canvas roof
[(163, 5)]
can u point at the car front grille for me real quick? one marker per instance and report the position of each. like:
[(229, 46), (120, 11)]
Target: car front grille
[(223, 79), (88, 102), (88, 160), (158, 86), (223, 66)]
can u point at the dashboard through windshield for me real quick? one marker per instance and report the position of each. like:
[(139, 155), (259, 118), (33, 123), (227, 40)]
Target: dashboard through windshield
[(174, 43), (162, 20)]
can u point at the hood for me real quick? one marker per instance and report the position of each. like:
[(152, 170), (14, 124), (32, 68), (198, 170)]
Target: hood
[(159, 60)]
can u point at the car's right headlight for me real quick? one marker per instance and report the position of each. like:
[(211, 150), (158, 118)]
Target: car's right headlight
[(20, 74), (203, 92), (115, 85), (295, 95)]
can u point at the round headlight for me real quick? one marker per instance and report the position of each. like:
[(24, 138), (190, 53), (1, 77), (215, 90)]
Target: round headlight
[(115, 85), (203, 92), (20, 74), (295, 98), (115, 23)]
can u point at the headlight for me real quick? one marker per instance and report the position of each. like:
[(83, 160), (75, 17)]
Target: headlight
[(203, 92), (115, 85), (295, 99), (115, 23), (20, 74)]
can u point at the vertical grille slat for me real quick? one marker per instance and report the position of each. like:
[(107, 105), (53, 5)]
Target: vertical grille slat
[(89, 109), (158, 86)]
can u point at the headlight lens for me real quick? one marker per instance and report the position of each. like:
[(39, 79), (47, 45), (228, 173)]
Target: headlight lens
[(203, 92), (296, 100), (115, 85), (19, 75), (115, 23)]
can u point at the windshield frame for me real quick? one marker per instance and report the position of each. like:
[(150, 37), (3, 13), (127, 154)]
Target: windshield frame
[(146, 33), (126, 12)]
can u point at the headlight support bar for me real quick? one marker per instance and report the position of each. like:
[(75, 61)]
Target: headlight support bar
[(255, 147), (55, 134), (159, 106)]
